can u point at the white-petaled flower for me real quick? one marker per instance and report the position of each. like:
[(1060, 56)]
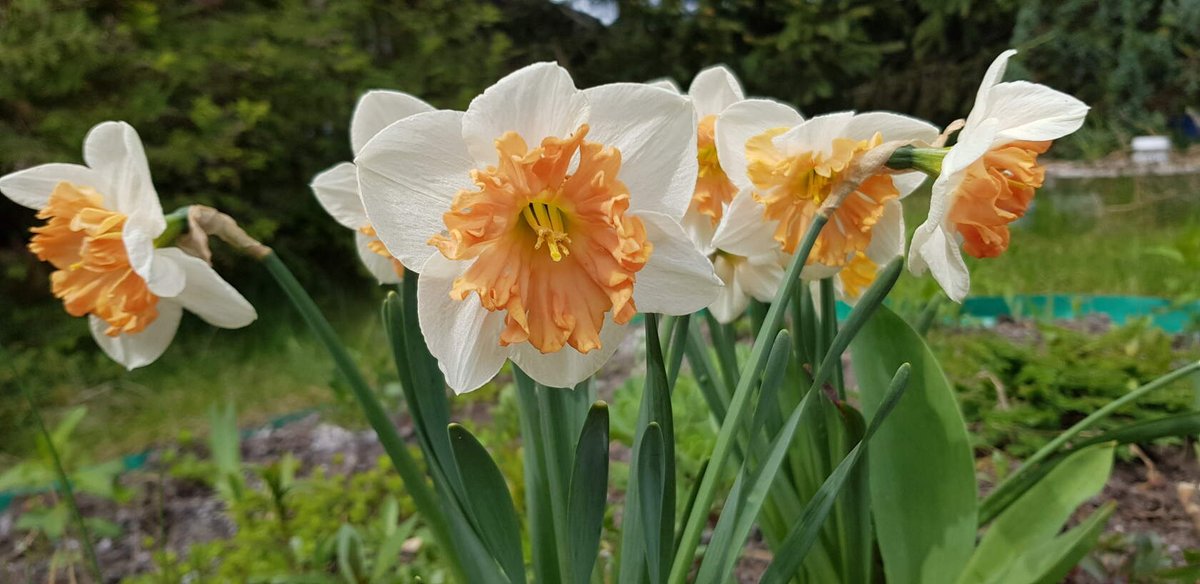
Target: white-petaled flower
[(746, 258), (792, 166), (102, 220), (337, 188), (989, 177), (540, 220), (713, 90)]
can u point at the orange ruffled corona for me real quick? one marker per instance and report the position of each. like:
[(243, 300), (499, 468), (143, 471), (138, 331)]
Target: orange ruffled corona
[(379, 249), (83, 241), (713, 188), (996, 191), (792, 189), (555, 250)]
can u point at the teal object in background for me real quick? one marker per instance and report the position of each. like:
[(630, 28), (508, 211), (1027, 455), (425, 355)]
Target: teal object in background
[(1170, 317), (1166, 315)]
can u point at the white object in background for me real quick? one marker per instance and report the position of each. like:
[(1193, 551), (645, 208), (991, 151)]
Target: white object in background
[(1151, 150)]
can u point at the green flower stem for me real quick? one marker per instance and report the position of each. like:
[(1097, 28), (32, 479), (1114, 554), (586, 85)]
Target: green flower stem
[(738, 407), (392, 443), (177, 223), (68, 491), (1001, 493), (926, 160)]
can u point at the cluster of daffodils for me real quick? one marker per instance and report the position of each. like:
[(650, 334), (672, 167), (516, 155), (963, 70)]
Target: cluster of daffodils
[(544, 217)]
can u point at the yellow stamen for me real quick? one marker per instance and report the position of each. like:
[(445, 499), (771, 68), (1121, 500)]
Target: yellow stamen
[(547, 222)]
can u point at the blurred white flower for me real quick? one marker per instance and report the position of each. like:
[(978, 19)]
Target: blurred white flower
[(989, 177), (558, 208), (337, 188), (102, 221)]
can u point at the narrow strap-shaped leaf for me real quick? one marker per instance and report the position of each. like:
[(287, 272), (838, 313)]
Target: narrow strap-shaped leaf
[(659, 392), (650, 471), (705, 374), (691, 501), (539, 511), (723, 343), (790, 555), (676, 347), (489, 502), (557, 438), (1185, 424), (772, 381), (589, 493), (829, 328)]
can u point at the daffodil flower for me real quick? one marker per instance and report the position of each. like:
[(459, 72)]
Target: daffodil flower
[(102, 221), (337, 188), (540, 220), (989, 177), (712, 90), (792, 166)]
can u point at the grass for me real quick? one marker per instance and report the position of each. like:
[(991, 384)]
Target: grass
[(1081, 237)]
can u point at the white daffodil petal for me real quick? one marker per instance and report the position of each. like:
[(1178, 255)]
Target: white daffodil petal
[(744, 231), (666, 83), (995, 73), (760, 279), (655, 132), (566, 367), (114, 151), (538, 101), (891, 126), (377, 109), (677, 279), (972, 144), (935, 250), (887, 236), (814, 135), (731, 300), (209, 296), (743, 121), (462, 335), (1029, 111), (715, 89), (408, 175), (143, 348), (383, 268), (32, 187), (337, 191), (700, 230), (907, 182), (162, 273)]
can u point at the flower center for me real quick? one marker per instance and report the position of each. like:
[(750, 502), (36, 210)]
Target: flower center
[(792, 189), (82, 240), (563, 196), (996, 191), (379, 249), (713, 188), (546, 220)]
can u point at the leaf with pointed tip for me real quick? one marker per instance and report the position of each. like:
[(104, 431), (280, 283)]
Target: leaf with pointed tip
[(589, 493), (488, 502)]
